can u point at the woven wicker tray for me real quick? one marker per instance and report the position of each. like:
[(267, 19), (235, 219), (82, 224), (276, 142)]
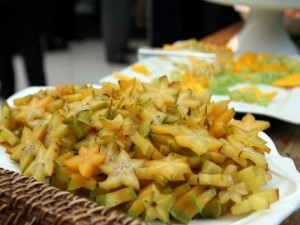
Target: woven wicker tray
[(25, 201)]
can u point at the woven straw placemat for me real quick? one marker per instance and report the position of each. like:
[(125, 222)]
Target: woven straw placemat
[(25, 201)]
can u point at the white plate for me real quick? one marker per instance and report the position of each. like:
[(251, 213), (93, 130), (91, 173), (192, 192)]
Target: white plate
[(284, 173), (284, 106)]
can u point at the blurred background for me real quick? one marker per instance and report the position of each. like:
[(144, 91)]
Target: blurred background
[(80, 41)]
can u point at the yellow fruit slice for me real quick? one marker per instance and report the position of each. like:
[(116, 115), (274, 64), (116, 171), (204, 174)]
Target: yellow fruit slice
[(248, 122), (157, 205), (292, 80), (34, 109), (118, 197), (43, 165), (121, 172), (121, 76), (140, 68), (169, 167), (257, 92), (260, 200), (86, 162), (27, 149)]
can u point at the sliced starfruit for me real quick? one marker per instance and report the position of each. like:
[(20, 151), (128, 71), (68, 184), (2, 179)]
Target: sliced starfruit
[(215, 157), (217, 180), (56, 130), (219, 127), (153, 150), (145, 146), (233, 153), (137, 206), (132, 87), (7, 136), (216, 109), (5, 115), (43, 164), (210, 167), (86, 162), (121, 172), (250, 139), (87, 103), (76, 181), (252, 177), (162, 96), (170, 167), (26, 151), (60, 160), (181, 190), (80, 124), (248, 122), (63, 173), (234, 193), (165, 129), (22, 100), (157, 205), (118, 130), (212, 209), (198, 140), (34, 109), (55, 105), (146, 174), (257, 201), (187, 101), (146, 114), (96, 118), (118, 197), (90, 140), (205, 197), (187, 206)]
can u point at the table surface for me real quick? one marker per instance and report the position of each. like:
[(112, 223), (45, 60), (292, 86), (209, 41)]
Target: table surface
[(286, 136)]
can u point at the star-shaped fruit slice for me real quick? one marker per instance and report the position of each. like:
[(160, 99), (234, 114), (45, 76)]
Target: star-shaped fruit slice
[(157, 205), (56, 129), (162, 96), (121, 172), (198, 140), (27, 149), (87, 161), (248, 122), (43, 164), (170, 167), (34, 109)]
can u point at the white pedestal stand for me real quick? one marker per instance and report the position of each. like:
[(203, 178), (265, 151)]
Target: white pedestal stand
[(264, 31)]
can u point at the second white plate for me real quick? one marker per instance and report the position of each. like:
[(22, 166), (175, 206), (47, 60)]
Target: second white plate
[(284, 106)]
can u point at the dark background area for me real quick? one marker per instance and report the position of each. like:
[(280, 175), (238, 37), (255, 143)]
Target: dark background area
[(159, 21)]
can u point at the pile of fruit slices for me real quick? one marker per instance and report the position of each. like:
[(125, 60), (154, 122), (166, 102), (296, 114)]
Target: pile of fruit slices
[(152, 150), (219, 78)]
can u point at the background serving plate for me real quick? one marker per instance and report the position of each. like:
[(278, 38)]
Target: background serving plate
[(284, 105), (285, 177)]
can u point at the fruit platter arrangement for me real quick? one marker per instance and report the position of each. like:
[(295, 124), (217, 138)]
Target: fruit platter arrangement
[(160, 141), (259, 83), (152, 150)]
